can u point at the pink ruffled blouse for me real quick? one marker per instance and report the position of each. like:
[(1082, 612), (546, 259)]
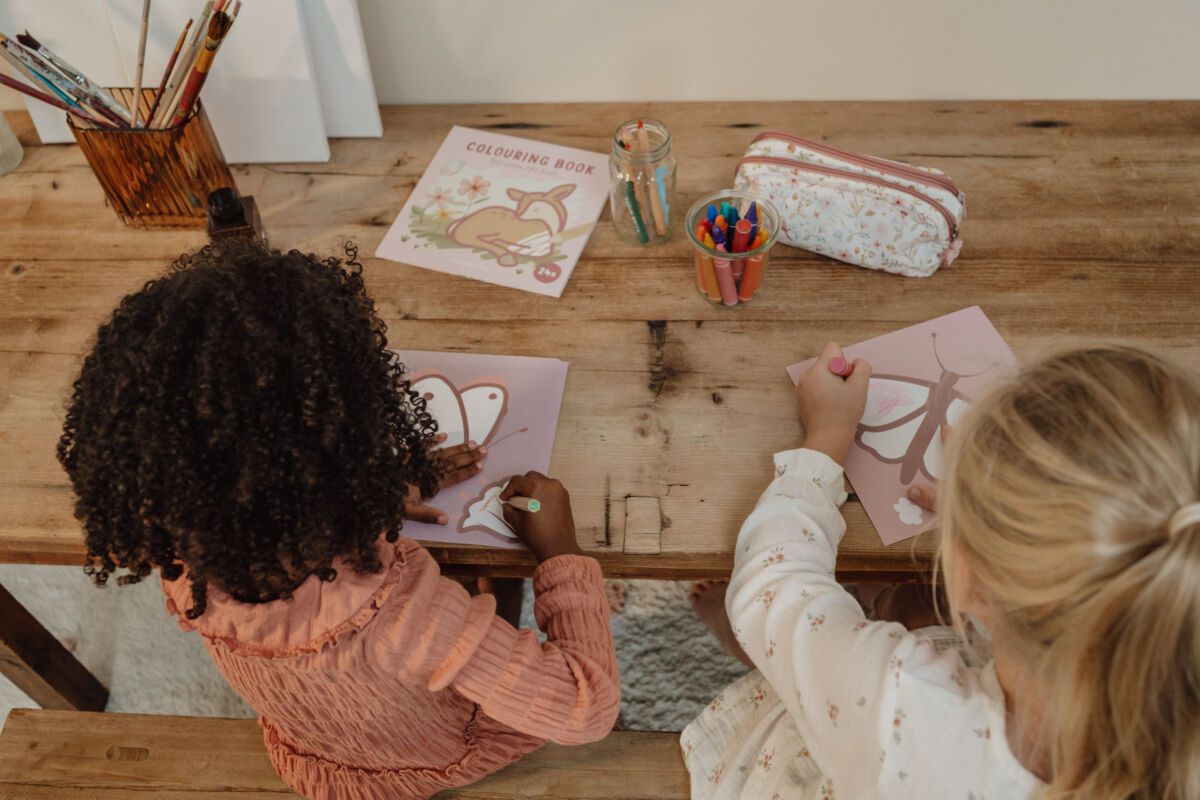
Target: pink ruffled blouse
[(400, 684)]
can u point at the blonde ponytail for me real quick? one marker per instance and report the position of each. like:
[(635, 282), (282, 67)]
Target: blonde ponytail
[(1074, 499)]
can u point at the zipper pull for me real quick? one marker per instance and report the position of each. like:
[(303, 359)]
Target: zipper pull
[(952, 251)]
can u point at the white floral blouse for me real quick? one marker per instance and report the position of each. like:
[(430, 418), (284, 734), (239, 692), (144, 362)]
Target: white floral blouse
[(839, 706)]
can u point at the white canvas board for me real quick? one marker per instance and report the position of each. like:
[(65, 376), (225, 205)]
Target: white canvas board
[(343, 72), (261, 95), (79, 32)]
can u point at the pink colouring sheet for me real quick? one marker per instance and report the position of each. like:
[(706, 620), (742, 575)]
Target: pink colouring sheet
[(509, 403), (922, 379), (500, 209)]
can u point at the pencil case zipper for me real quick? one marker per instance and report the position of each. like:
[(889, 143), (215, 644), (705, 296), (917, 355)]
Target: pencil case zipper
[(820, 169), (867, 162)]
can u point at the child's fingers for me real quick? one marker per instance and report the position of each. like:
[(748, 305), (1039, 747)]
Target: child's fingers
[(426, 514), (830, 351), (861, 374), (463, 455), (453, 476), (924, 496), (517, 485), (440, 437)]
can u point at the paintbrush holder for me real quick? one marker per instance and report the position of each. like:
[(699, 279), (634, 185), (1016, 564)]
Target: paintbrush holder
[(155, 178)]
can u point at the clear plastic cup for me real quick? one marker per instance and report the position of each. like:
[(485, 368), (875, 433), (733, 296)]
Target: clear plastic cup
[(723, 276)]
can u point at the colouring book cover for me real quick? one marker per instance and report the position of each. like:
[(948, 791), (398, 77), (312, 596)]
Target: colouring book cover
[(510, 404), (502, 210), (922, 380)]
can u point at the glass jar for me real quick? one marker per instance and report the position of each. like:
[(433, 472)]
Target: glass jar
[(731, 262), (642, 181)]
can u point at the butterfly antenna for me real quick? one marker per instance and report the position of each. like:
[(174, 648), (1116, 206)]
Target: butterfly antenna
[(509, 436), (935, 353)]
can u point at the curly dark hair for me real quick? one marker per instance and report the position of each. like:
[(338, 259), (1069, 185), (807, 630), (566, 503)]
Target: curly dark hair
[(242, 416)]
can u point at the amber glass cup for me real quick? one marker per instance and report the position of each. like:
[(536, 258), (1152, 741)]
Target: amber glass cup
[(155, 178)]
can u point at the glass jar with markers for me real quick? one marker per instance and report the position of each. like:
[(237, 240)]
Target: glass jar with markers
[(642, 173)]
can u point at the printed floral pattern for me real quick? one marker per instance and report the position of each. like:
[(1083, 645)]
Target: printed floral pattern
[(860, 223)]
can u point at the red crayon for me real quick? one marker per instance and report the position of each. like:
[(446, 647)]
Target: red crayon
[(741, 243), (840, 367)]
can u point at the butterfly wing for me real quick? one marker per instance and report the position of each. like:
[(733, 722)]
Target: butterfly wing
[(484, 405), (443, 403), (895, 409), (932, 461)]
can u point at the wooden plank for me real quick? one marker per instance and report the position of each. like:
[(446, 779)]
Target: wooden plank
[(1083, 222), (57, 754), (50, 754), (40, 666)]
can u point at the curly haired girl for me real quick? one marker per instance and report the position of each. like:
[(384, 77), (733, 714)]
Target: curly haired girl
[(241, 426), (1070, 530)]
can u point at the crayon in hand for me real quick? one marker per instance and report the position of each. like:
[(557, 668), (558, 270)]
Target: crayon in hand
[(840, 367), (524, 504)]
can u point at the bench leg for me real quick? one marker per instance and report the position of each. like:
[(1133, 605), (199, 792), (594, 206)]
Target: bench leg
[(40, 666)]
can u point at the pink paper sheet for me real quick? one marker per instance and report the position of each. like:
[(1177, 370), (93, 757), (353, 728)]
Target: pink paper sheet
[(501, 209), (509, 403), (898, 443)]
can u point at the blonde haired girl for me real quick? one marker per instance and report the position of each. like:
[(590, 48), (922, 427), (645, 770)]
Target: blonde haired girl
[(1070, 529)]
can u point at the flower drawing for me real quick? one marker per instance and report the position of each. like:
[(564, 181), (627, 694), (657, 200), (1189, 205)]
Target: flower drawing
[(439, 197), (909, 512), (474, 189)]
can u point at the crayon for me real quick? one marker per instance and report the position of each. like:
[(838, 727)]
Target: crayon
[(656, 198), (741, 243), (732, 218), (752, 215), (840, 367), (706, 276), (711, 216), (724, 270), (720, 223), (660, 177), (725, 210), (755, 266), (524, 503), (631, 204)]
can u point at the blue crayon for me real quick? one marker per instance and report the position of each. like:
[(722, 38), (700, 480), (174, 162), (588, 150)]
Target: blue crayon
[(712, 213), (725, 211), (733, 218), (752, 215)]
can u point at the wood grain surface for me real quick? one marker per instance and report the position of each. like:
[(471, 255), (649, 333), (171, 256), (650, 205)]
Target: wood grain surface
[(49, 755), (1083, 222)]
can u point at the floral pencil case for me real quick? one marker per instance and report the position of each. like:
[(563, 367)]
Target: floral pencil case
[(859, 209)]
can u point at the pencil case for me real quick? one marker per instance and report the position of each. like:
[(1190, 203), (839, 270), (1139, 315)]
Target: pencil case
[(859, 209)]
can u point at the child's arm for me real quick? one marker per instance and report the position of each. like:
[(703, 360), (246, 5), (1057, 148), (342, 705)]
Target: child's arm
[(565, 689), (806, 634)]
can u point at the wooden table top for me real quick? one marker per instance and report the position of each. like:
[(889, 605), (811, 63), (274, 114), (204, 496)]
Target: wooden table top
[(1083, 221)]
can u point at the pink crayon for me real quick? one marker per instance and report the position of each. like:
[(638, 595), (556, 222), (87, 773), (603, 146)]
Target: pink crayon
[(840, 367)]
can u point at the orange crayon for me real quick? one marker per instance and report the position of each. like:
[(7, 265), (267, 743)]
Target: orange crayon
[(752, 278), (706, 275)]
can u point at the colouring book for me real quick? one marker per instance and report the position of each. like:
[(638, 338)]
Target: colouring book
[(502, 210), (922, 379), (510, 404)]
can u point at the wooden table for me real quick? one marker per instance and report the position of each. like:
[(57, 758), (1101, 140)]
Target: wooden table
[(1083, 221)]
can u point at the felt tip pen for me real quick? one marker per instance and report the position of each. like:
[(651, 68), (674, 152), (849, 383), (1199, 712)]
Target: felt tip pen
[(524, 504), (840, 367)]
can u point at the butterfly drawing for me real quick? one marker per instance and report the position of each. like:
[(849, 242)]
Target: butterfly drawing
[(468, 413), (471, 412), (905, 416)]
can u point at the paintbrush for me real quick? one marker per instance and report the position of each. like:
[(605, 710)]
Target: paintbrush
[(183, 68), (13, 83), (96, 95), (39, 72), (135, 101), (167, 73), (218, 27)]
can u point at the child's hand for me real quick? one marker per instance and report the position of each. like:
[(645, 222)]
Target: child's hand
[(550, 531), (926, 496), (457, 463), (831, 406)]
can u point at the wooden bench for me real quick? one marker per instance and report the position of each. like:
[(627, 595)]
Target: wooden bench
[(75, 754)]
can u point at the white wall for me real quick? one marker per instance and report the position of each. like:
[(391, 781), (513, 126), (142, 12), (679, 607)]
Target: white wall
[(459, 51)]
